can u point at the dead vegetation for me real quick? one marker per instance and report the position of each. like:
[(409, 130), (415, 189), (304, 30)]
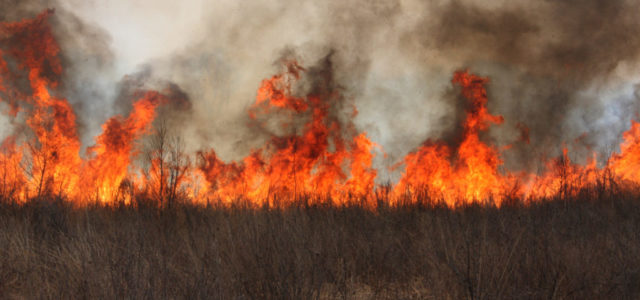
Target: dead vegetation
[(561, 249)]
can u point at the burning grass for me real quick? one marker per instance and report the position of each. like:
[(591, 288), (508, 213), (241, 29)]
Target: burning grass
[(577, 248)]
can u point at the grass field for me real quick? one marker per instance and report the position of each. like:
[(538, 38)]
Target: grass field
[(558, 249)]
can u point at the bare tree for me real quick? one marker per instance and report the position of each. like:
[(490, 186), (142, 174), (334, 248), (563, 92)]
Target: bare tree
[(178, 165), (168, 165)]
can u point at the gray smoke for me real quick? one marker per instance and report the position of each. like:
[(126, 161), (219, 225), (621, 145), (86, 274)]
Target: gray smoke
[(564, 69), (557, 66)]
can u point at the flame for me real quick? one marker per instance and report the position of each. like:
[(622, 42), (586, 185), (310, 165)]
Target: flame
[(564, 178), (12, 179), (468, 173), (52, 120), (313, 164), (626, 163), (49, 161), (324, 160), (114, 150)]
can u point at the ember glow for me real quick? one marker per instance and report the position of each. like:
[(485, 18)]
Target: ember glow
[(322, 158)]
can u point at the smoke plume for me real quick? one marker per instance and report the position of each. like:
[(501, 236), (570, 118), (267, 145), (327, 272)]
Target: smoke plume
[(561, 71)]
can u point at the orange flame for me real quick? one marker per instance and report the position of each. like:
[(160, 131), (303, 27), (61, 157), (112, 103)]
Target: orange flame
[(53, 165), (114, 149), (473, 175), (627, 164), (312, 164)]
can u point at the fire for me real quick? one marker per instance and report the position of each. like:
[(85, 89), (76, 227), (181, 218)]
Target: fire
[(311, 164), (324, 160), (52, 120), (564, 178), (468, 173), (625, 164), (13, 180), (49, 161), (112, 155)]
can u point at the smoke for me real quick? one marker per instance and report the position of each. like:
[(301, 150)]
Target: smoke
[(87, 81), (555, 66), (564, 69)]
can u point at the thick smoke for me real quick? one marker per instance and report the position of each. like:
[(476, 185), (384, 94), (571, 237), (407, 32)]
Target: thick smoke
[(558, 66), (564, 69)]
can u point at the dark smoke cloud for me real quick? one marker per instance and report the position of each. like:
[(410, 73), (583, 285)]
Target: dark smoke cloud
[(549, 63), (15, 10), (572, 41)]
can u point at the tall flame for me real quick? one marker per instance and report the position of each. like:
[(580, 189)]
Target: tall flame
[(52, 163), (470, 172), (311, 164), (114, 149)]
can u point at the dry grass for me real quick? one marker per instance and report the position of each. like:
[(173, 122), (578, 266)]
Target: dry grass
[(576, 249)]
